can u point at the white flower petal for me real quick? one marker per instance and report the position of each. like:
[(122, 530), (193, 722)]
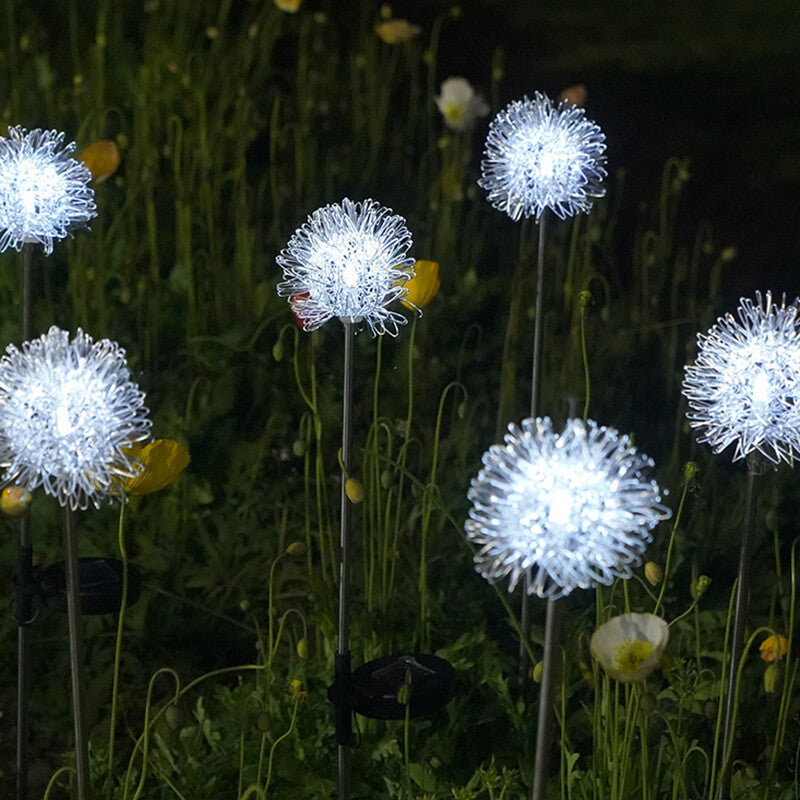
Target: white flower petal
[(629, 647)]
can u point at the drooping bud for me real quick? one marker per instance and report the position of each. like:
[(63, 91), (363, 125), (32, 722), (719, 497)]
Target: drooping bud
[(297, 549)]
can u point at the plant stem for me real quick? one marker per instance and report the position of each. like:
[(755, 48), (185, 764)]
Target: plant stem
[(117, 648), (669, 548)]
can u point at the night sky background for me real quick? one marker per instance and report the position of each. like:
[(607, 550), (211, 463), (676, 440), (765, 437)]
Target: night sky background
[(716, 82)]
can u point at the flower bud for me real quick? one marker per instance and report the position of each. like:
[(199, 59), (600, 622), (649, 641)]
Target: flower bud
[(262, 722), (772, 678), (653, 573), (302, 648), (404, 694), (536, 671), (299, 448), (15, 501), (354, 490), (297, 549), (701, 585), (772, 647), (690, 471), (172, 716), (277, 350)]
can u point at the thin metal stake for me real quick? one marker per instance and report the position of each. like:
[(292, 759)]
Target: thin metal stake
[(537, 348), (344, 730), (75, 657), (25, 613), (739, 617), (552, 633)]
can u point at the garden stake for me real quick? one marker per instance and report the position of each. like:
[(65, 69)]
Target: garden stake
[(25, 582), (553, 618), (537, 346), (343, 714), (75, 657), (739, 618), (544, 722)]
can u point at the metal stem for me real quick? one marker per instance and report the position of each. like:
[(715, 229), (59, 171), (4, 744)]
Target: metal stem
[(550, 665), (537, 348), (24, 579), (537, 321), (344, 732), (739, 619), (27, 253), (76, 661)]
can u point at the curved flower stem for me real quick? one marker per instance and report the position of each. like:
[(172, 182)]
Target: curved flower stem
[(427, 508), (117, 648), (143, 742), (669, 548), (276, 743), (52, 782)]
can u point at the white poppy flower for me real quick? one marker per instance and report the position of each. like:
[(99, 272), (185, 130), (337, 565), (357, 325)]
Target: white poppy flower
[(629, 647), (460, 104)]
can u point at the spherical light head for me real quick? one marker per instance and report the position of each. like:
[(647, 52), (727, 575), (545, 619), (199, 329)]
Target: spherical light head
[(68, 412), (44, 194), (744, 386), (349, 260), (573, 509), (541, 155)]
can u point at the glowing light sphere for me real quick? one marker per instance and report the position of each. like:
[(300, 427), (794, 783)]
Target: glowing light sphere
[(43, 192), (541, 155), (349, 260), (573, 508), (68, 411), (744, 387)]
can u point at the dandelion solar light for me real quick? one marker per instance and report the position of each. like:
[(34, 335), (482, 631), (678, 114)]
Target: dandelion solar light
[(44, 193), (68, 411), (542, 155), (573, 508), (744, 387), (349, 260)]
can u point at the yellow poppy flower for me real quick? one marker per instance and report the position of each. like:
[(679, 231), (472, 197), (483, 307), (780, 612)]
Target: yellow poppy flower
[(162, 460), (290, 6), (396, 31), (102, 159), (771, 645), (423, 287), (630, 646)]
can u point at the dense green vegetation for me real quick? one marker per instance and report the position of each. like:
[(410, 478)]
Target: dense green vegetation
[(234, 121)]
